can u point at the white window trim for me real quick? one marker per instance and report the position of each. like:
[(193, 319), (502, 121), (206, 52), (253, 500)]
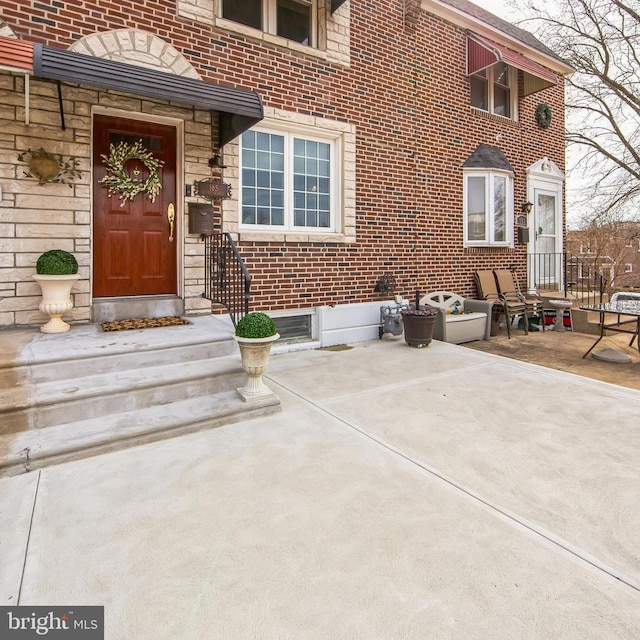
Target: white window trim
[(344, 189), (545, 176), (513, 85), (269, 11), (489, 174), (334, 140)]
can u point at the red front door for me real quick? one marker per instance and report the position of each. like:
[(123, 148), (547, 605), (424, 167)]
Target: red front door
[(134, 246)]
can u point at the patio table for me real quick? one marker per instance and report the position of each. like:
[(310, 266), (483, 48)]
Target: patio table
[(621, 325)]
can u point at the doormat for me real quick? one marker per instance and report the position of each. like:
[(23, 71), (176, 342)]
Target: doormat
[(337, 347), (143, 323)]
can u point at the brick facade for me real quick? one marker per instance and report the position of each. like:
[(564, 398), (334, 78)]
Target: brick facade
[(391, 74), (614, 249)]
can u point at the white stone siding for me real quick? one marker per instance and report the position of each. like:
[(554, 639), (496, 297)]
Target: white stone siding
[(5, 30), (35, 218), (136, 47), (197, 151)]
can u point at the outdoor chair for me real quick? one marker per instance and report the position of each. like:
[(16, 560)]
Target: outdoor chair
[(510, 308), (509, 288), (459, 319)]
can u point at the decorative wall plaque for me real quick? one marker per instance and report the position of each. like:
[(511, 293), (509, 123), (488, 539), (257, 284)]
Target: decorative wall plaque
[(212, 189)]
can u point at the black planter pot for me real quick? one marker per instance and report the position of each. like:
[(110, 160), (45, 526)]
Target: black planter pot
[(418, 330)]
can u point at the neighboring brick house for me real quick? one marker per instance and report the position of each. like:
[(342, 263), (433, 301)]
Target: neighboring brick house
[(613, 250), (383, 137)]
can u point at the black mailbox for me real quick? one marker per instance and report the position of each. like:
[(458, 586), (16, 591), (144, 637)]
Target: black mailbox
[(523, 235), (200, 218)]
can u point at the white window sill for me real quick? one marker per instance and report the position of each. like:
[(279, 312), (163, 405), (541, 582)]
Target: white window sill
[(264, 36), (488, 246), (493, 116), (290, 236)]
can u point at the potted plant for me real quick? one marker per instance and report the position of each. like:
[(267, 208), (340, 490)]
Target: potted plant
[(255, 334), (419, 322), (56, 273)]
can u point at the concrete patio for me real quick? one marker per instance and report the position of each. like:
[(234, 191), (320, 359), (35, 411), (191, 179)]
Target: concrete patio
[(437, 493)]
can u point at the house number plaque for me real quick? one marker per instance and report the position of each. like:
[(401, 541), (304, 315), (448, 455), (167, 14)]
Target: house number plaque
[(212, 189)]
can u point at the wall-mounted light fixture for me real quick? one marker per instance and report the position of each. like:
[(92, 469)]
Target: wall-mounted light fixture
[(521, 219), (527, 207), (216, 162)]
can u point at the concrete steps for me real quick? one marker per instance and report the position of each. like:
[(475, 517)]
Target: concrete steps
[(114, 391), (29, 450)]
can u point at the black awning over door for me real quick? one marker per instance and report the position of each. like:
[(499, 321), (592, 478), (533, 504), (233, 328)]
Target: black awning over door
[(239, 109)]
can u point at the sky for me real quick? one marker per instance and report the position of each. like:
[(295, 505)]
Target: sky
[(496, 7)]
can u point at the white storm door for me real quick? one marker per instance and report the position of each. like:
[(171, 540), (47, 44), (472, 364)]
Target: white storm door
[(546, 243)]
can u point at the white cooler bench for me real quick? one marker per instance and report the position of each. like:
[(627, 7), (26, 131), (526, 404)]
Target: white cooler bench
[(473, 322)]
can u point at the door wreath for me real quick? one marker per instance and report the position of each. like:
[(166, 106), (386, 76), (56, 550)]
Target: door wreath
[(543, 115), (118, 181)]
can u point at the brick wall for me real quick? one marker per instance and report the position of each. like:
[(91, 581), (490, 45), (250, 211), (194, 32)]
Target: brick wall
[(404, 89), (612, 247)]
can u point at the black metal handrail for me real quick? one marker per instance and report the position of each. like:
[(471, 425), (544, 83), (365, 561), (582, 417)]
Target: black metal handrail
[(575, 275), (584, 279), (227, 280)]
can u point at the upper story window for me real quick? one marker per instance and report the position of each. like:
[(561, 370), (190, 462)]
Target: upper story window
[(494, 90), (488, 208), (288, 181), (291, 19)]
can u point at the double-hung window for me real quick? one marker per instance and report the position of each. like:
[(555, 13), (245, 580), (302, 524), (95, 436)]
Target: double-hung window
[(291, 19), (288, 181), (494, 90), (488, 208)]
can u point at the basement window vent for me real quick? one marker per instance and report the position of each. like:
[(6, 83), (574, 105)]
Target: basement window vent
[(294, 328)]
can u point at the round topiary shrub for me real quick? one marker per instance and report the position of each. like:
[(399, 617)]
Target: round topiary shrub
[(256, 325), (56, 263)]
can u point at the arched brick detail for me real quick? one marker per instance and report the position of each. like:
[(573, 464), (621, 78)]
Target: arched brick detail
[(136, 47)]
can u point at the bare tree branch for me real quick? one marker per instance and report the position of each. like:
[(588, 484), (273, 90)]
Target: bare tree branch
[(601, 40)]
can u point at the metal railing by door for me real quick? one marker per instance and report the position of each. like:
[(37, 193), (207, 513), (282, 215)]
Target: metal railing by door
[(576, 275), (227, 280)]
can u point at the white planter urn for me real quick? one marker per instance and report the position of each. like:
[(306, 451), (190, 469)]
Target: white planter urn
[(56, 300), (255, 358)]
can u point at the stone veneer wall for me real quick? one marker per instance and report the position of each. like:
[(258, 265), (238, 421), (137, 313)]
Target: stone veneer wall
[(136, 47), (36, 218)]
